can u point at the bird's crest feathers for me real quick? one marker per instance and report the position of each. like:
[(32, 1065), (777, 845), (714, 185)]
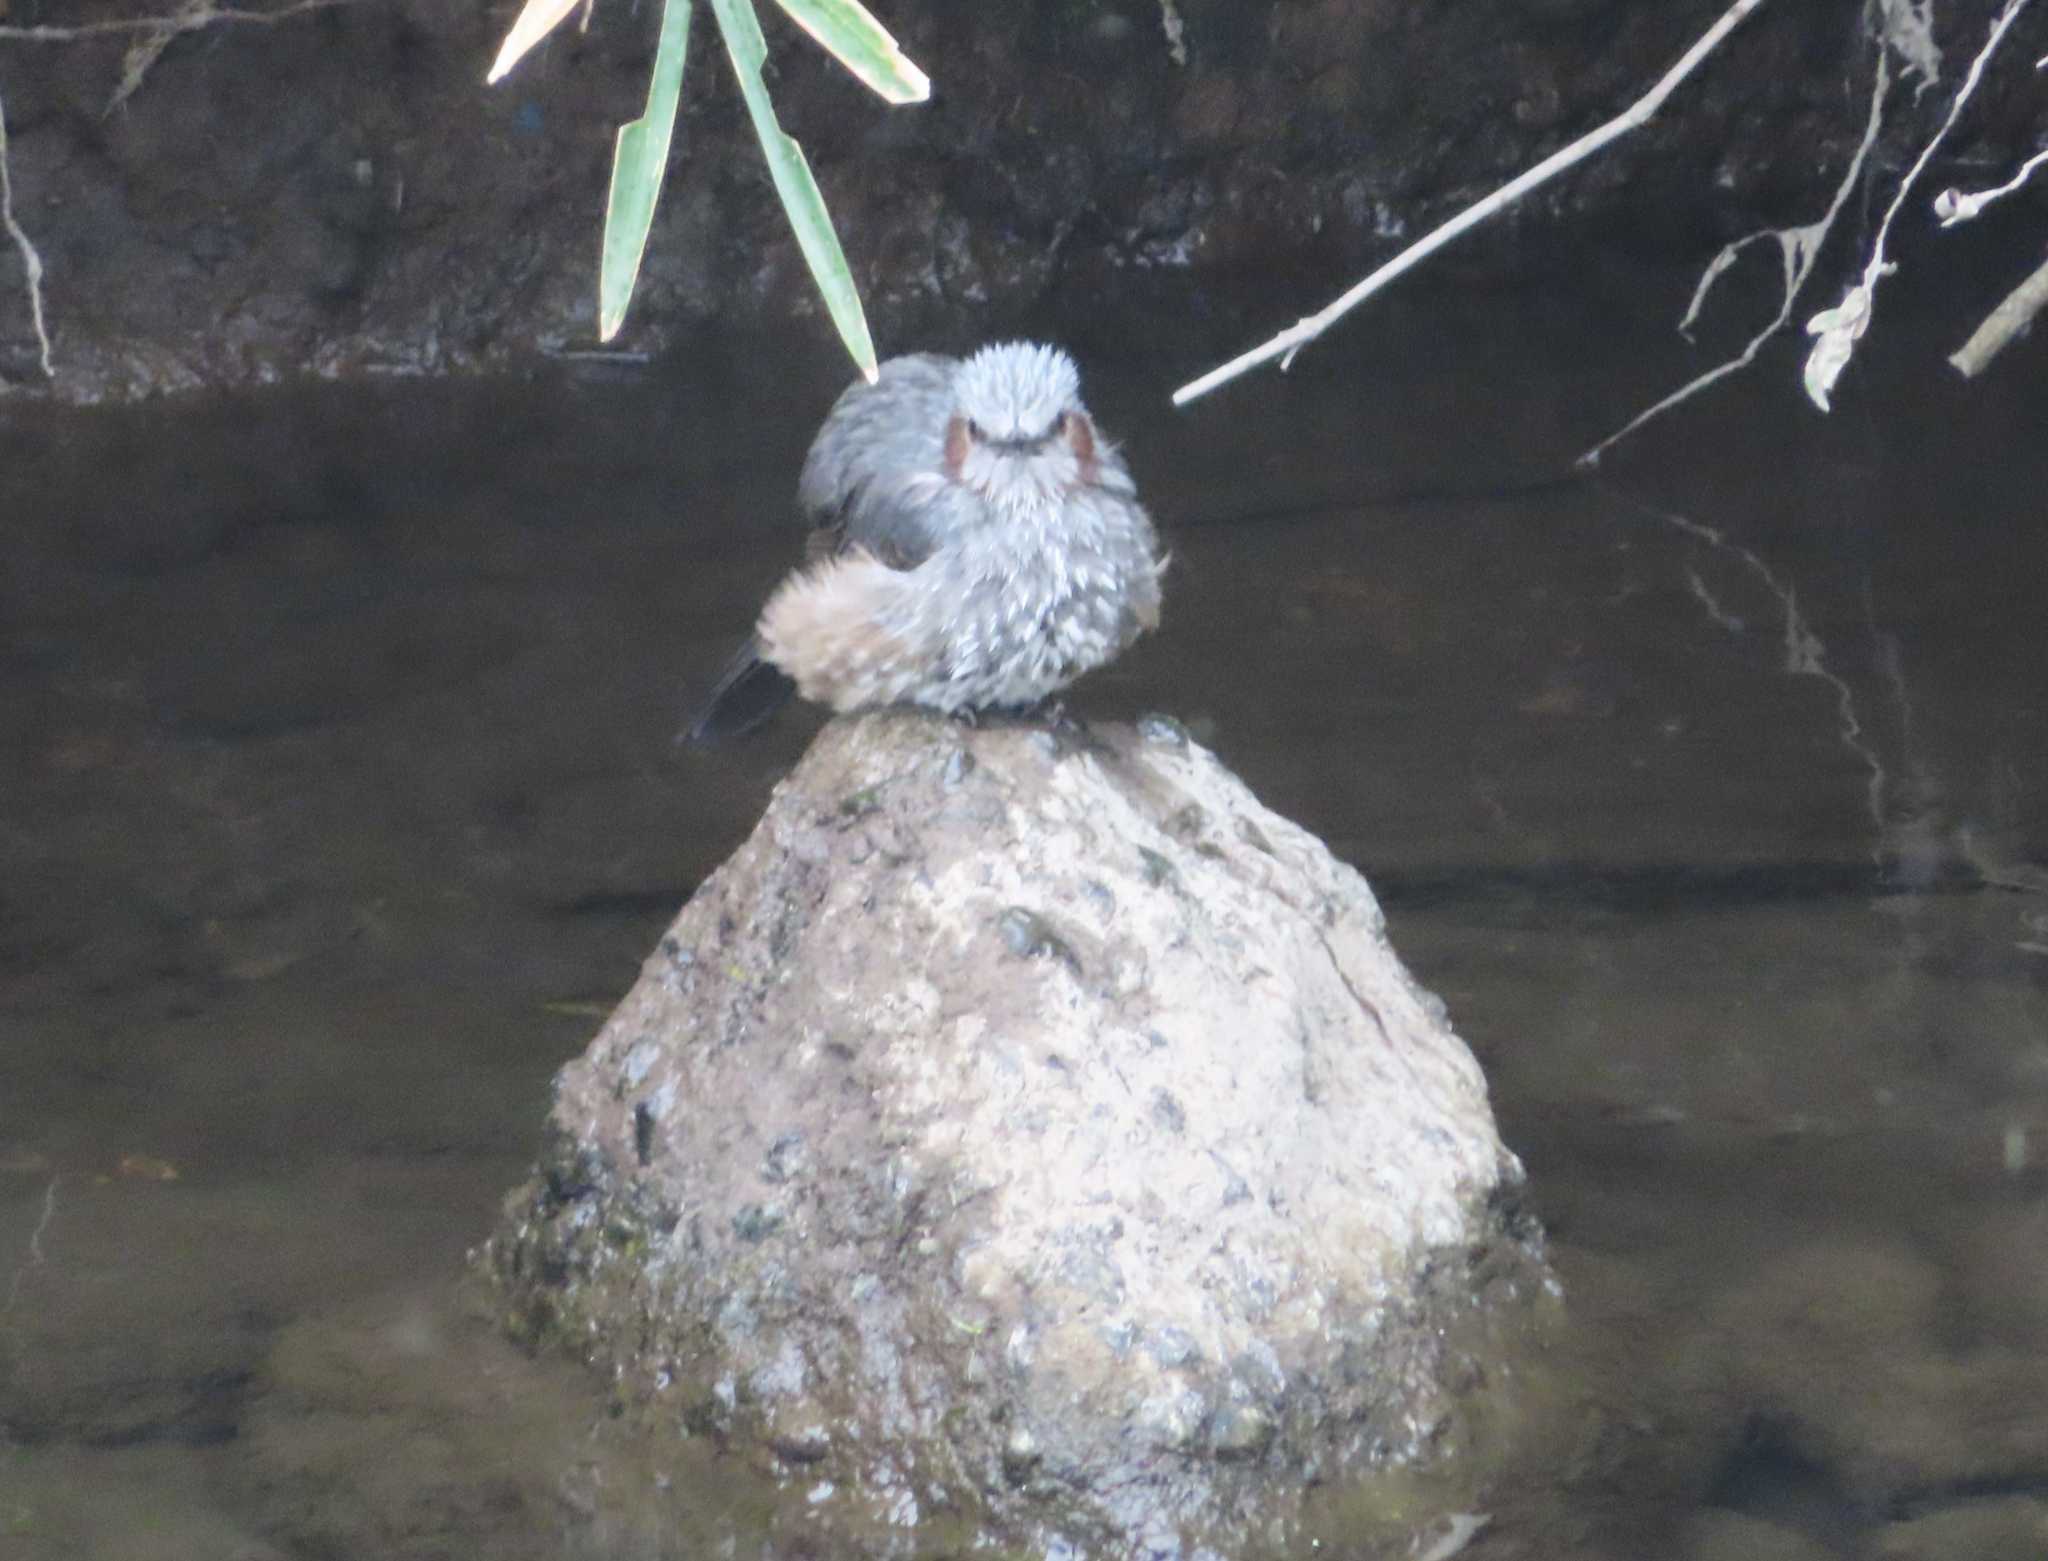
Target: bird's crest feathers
[(1016, 390)]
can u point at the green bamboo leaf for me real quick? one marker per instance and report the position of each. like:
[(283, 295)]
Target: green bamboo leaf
[(862, 45), (638, 162), (793, 182)]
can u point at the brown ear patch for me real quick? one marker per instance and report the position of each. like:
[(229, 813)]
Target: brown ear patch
[(823, 627), (1079, 433), (957, 441)]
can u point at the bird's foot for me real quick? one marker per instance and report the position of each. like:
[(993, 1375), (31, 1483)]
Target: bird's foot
[(1053, 712)]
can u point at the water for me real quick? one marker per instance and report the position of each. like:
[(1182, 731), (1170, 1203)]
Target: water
[(340, 802)]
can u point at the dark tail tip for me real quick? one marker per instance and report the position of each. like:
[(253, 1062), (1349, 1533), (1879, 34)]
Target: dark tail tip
[(746, 697)]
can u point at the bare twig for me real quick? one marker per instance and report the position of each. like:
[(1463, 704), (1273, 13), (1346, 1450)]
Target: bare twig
[(179, 23), (1304, 331), (1798, 252), (35, 1257), (31, 262), (1954, 206), (1836, 331), (146, 49), (2011, 317)]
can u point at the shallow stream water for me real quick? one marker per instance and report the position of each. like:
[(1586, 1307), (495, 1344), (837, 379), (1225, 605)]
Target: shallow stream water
[(338, 802)]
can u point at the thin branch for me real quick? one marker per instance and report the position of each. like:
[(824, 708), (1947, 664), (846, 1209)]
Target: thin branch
[(146, 50), (1955, 112), (2000, 326), (31, 262), (1304, 331), (1798, 251), (2016, 311), (1836, 331), (1954, 206), (165, 24)]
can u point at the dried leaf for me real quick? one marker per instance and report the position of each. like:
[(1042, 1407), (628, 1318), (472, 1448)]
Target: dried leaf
[(147, 1168), (1837, 331), (536, 21)]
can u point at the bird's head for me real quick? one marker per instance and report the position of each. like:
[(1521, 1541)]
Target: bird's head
[(1018, 423)]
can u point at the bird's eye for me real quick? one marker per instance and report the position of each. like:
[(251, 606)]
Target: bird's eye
[(974, 430)]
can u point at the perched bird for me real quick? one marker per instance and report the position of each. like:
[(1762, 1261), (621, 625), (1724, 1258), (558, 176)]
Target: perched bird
[(975, 544)]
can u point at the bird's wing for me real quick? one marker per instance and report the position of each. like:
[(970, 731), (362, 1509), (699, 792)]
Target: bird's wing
[(875, 475)]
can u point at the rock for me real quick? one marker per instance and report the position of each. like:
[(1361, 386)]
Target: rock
[(1038, 1133)]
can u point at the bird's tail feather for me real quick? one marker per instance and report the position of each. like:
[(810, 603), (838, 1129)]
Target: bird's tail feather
[(746, 695)]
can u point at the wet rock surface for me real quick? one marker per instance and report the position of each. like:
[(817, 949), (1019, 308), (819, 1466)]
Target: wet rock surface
[(339, 194), (1050, 1146)]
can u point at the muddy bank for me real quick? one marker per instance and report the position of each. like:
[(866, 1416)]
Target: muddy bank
[(339, 194)]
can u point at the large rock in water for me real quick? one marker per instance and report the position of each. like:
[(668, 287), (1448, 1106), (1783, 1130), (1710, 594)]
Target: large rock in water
[(1029, 1134)]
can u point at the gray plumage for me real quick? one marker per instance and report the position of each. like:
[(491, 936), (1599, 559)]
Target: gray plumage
[(875, 441), (975, 544)]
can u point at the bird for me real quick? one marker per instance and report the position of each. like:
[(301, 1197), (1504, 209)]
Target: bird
[(975, 543)]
